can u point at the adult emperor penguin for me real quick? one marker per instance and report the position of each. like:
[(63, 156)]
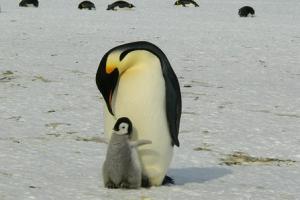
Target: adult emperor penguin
[(120, 5), (186, 3), (29, 3), (86, 5), (246, 11), (136, 80)]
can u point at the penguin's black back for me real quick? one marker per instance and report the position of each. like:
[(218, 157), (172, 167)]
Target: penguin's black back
[(245, 11), (24, 3), (121, 4), (86, 4), (184, 2)]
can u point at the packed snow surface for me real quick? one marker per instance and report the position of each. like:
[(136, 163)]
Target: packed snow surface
[(240, 84)]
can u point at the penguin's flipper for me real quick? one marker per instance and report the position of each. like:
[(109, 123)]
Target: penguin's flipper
[(135, 144), (168, 180), (173, 100)]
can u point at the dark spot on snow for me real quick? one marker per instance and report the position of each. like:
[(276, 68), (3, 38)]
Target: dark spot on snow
[(189, 113), (16, 118), (41, 79), (92, 139), (55, 125), (262, 111), (202, 149), (7, 73), (7, 76), (288, 115), (77, 72), (54, 134), (34, 187), (6, 174), (70, 132), (240, 158)]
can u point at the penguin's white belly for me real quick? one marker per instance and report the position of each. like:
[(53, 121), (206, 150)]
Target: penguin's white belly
[(88, 9), (30, 5), (187, 5), (140, 96), (124, 8), (190, 5)]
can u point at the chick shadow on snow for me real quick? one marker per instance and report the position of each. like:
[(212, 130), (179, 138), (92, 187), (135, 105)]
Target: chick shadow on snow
[(197, 175)]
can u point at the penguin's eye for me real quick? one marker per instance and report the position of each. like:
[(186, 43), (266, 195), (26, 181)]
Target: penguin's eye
[(123, 127)]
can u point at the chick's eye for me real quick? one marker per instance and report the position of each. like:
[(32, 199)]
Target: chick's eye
[(123, 127)]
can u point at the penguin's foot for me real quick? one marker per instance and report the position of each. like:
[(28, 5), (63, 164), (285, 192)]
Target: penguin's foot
[(168, 180), (110, 185), (145, 182), (125, 185)]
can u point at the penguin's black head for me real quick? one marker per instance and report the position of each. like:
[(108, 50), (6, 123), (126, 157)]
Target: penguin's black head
[(107, 78), (114, 63), (123, 126), (131, 5)]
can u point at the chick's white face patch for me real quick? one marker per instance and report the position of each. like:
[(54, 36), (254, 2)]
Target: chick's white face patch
[(123, 129)]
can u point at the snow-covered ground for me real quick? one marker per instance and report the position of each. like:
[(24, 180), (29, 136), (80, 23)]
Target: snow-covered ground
[(240, 80)]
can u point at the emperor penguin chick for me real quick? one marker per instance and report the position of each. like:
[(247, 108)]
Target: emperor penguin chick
[(122, 168)]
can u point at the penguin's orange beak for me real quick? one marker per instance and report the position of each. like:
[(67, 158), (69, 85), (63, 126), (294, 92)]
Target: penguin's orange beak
[(107, 88), (110, 99), (110, 69)]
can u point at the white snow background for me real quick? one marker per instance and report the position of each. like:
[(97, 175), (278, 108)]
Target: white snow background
[(240, 84)]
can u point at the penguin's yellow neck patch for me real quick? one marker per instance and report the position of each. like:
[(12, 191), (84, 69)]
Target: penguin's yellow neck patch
[(110, 69), (113, 61)]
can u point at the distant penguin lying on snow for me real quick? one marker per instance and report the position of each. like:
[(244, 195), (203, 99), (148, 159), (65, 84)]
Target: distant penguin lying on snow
[(122, 168), (246, 11), (186, 3), (120, 5), (29, 3), (86, 5)]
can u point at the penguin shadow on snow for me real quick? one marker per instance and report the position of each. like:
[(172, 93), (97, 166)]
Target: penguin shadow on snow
[(197, 174)]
